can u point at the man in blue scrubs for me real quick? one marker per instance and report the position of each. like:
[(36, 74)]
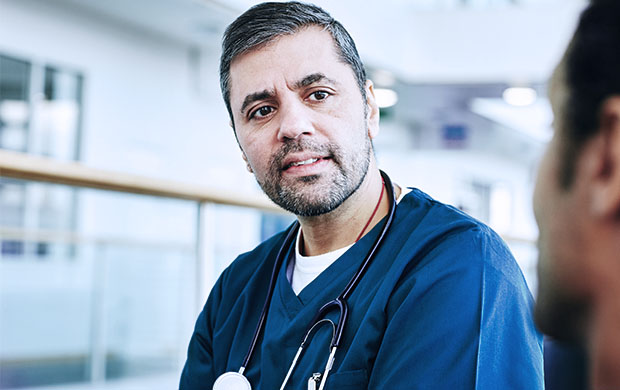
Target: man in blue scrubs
[(577, 203), (443, 304)]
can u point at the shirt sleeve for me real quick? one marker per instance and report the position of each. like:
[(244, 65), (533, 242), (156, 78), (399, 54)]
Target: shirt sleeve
[(510, 352), (461, 323)]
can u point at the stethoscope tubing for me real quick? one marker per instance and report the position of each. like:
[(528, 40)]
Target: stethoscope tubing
[(290, 236), (341, 301)]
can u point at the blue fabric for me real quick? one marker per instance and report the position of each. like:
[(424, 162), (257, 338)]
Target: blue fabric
[(443, 306), (565, 366)]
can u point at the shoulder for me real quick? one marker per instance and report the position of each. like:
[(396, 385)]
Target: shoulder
[(450, 238), (432, 220), (427, 215), (452, 271), (449, 256), (432, 214)]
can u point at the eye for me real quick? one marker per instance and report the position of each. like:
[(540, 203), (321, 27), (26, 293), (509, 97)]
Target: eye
[(319, 95), (261, 112)]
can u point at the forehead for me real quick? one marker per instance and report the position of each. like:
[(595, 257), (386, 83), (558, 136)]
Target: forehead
[(558, 93), (557, 82), (299, 43), (287, 59)]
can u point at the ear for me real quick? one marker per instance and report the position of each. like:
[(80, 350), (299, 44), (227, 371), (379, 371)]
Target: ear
[(372, 114), (605, 189), (247, 163)]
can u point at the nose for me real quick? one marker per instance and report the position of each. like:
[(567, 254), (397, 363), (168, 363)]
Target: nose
[(295, 120)]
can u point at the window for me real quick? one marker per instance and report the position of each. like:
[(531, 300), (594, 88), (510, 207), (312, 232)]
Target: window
[(40, 113), (14, 103)]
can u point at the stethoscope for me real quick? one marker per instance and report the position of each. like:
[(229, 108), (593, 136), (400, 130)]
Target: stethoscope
[(237, 381)]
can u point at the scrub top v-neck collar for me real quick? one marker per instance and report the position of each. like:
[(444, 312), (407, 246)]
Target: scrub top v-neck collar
[(329, 283)]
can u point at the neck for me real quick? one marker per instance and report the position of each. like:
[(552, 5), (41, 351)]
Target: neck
[(604, 346), (342, 226), (604, 326)]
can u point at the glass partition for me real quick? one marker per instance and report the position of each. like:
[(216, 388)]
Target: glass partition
[(105, 293)]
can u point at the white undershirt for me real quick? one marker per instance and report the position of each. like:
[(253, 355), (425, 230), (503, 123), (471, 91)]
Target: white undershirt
[(307, 268), (304, 269)]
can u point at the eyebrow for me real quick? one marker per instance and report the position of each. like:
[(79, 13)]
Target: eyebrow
[(313, 78), (267, 94), (253, 97)]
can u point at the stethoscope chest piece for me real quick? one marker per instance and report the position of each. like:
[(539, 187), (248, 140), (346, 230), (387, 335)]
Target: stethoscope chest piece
[(231, 381)]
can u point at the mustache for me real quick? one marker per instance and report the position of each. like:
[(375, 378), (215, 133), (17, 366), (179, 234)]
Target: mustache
[(328, 150)]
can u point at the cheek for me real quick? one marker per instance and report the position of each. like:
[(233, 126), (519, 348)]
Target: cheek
[(547, 190), (549, 217), (249, 150), (561, 243), (251, 140), (254, 156), (541, 192)]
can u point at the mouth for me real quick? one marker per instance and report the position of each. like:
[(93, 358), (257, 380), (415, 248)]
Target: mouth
[(296, 162)]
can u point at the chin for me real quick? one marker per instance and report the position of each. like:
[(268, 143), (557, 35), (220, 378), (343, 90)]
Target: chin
[(559, 313)]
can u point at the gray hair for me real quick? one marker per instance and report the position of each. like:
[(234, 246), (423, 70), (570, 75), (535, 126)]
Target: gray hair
[(265, 22)]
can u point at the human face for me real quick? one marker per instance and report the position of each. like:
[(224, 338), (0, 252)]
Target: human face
[(301, 122), (560, 306)]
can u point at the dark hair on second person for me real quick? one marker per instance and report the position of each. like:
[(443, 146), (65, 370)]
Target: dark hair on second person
[(264, 22), (592, 74)]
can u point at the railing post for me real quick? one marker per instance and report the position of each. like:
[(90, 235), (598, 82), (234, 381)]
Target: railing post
[(199, 268), (97, 365), (205, 251)]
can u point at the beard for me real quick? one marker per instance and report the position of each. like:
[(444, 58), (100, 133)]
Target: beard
[(315, 195)]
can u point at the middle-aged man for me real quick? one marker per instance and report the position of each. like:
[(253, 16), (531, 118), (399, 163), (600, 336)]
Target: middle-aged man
[(441, 305), (577, 197)]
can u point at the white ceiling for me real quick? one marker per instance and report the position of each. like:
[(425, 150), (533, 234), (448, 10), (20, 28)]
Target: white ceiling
[(420, 41)]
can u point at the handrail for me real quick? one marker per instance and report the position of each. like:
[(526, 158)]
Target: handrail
[(28, 167)]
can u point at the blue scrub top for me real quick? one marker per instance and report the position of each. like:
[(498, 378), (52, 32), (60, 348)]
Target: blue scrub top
[(443, 306)]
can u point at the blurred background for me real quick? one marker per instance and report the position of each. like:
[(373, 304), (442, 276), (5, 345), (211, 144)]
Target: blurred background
[(123, 194)]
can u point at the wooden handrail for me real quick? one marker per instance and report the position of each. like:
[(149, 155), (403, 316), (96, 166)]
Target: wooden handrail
[(29, 167)]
